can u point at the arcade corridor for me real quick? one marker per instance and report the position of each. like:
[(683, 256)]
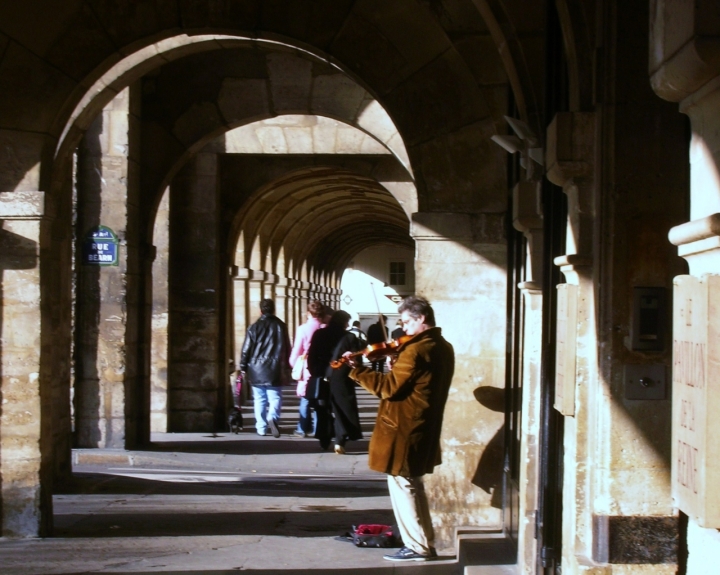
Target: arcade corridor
[(547, 173)]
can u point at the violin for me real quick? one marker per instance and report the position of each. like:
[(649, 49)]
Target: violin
[(374, 352)]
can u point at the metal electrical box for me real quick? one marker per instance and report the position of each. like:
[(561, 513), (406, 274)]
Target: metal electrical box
[(649, 319)]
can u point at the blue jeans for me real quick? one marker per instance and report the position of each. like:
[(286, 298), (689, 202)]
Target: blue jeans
[(266, 399), (307, 418)]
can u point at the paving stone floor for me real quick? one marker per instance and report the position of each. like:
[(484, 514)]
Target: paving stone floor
[(223, 503)]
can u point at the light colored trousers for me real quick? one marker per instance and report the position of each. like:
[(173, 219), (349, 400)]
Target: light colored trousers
[(267, 404), (412, 514)]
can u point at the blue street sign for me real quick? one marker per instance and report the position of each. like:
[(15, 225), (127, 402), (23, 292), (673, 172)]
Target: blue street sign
[(100, 247)]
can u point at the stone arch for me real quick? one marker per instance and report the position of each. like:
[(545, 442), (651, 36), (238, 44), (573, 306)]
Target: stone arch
[(409, 58), (287, 211)]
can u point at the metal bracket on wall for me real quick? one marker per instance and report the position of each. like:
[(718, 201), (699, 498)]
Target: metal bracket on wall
[(645, 381)]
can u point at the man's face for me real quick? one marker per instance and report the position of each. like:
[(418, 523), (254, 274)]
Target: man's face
[(412, 326)]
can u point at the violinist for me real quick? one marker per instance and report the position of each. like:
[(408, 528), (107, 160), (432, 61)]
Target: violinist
[(405, 443)]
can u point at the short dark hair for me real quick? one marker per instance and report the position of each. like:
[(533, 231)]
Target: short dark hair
[(267, 306), (316, 309), (356, 323), (417, 306), (340, 317)]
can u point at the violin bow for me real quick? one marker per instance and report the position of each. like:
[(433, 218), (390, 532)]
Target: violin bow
[(382, 322)]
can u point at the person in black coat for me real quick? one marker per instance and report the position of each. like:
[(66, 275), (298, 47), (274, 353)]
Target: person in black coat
[(336, 407), (377, 333)]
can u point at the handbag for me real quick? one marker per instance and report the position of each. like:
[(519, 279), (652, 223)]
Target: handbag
[(318, 389), (299, 368)]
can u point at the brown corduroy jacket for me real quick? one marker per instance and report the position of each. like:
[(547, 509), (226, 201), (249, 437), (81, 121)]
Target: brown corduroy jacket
[(406, 438)]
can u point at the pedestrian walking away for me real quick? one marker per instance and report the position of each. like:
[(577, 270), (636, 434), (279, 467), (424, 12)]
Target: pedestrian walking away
[(337, 409), (301, 345), (264, 364)]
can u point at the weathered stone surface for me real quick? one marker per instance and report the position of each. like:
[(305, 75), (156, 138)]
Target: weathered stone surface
[(44, 90), (20, 160), (290, 83), (336, 96), (452, 170), (179, 421), (444, 243), (443, 86), (21, 205), (199, 120)]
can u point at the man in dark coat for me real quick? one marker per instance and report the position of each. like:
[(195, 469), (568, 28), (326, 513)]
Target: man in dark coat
[(405, 443), (377, 333), (265, 364)]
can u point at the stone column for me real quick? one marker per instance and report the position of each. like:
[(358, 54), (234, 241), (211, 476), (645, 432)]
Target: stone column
[(21, 419), (292, 305), (159, 337), (240, 305), (461, 268), (282, 300), (570, 144), (685, 68), (530, 424), (256, 292), (196, 354), (303, 291), (269, 291), (526, 219), (696, 306), (107, 407)]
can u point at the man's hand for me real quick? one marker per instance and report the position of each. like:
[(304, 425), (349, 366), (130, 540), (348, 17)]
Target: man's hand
[(351, 361)]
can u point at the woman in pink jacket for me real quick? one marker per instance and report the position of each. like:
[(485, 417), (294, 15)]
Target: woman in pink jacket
[(303, 335)]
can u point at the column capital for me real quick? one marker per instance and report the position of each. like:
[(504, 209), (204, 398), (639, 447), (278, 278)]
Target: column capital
[(572, 266), (530, 287), (570, 147), (698, 243), (684, 47), (527, 213)]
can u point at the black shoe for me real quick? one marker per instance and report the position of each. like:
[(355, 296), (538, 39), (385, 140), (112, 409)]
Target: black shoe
[(324, 444), (405, 554), (274, 429)]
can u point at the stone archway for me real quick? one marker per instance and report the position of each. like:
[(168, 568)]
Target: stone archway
[(434, 92)]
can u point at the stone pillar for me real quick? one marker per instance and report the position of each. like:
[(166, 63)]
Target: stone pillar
[(578, 394), (685, 68), (696, 326), (461, 268), (240, 304), (20, 322), (107, 399), (256, 292), (530, 424), (303, 291), (196, 354), (269, 291), (292, 305), (159, 337), (282, 300), (527, 219)]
